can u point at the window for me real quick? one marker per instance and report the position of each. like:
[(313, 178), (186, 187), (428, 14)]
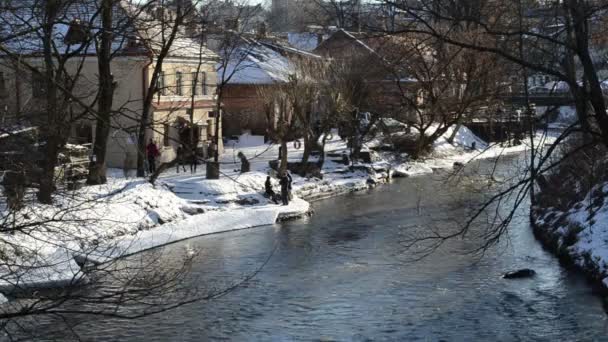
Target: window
[(166, 141), (161, 83), (178, 83), (199, 86), (38, 85)]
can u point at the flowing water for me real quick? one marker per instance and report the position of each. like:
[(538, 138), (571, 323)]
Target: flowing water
[(346, 274)]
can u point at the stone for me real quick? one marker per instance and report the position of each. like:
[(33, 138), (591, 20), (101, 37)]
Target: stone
[(523, 273)]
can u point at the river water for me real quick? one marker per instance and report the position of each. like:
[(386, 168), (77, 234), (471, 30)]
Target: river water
[(347, 274)]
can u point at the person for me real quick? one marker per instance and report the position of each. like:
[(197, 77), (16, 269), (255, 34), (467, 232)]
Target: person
[(284, 181), (152, 152), (126, 165), (180, 158), (290, 180), (193, 162), (245, 167), (269, 192)]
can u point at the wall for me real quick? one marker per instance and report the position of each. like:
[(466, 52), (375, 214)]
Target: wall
[(128, 98), (243, 110)]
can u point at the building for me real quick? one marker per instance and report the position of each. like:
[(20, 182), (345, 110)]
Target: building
[(252, 61), (138, 40)]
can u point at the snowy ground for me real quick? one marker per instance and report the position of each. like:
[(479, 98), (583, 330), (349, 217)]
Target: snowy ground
[(129, 215), (581, 233)]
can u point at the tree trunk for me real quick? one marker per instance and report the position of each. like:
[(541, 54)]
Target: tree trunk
[(307, 149), (51, 132), (596, 98), (97, 169), (283, 166), (456, 129), (216, 157), (144, 121), (161, 168)]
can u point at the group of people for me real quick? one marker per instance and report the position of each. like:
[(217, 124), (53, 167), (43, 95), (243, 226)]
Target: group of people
[(183, 158), (152, 152), (285, 181)]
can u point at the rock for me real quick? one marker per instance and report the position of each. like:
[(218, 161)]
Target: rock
[(458, 165), (523, 273)]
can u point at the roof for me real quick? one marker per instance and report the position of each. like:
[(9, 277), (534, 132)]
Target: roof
[(136, 32), (347, 39), (255, 64), (306, 41), (260, 62)]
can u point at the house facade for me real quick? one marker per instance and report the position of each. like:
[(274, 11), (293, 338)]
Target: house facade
[(255, 63), (184, 98)]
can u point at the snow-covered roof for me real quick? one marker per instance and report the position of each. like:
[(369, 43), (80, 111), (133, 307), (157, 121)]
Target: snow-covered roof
[(255, 64), (306, 41), (8, 132), (135, 31)]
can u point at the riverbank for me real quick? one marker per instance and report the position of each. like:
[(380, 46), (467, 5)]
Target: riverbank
[(126, 215), (579, 234)]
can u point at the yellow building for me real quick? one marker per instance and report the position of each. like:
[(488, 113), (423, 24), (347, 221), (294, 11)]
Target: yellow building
[(177, 97)]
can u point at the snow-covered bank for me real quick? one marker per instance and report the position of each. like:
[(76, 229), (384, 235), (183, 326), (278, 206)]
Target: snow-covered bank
[(579, 235), (203, 224), (126, 216)]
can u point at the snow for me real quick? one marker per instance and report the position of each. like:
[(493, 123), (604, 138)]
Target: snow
[(209, 223), (558, 86), (589, 248), (25, 15), (254, 64), (411, 169), (464, 138), (127, 216), (17, 132), (306, 41)]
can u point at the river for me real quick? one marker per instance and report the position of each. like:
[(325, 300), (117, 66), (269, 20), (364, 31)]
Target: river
[(346, 274)]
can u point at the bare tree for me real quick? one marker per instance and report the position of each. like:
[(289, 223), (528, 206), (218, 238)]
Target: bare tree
[(444, 86), (280, 117), (97, 174), (557, 39)]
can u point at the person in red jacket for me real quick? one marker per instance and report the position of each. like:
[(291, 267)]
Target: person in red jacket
[(152, 152)]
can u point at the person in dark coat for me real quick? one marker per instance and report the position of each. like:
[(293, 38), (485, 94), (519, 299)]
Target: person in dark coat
[(193, 162), (152, 152), (289, 180), (180, 158), (284, 181), (245, 166), (269, 191)]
